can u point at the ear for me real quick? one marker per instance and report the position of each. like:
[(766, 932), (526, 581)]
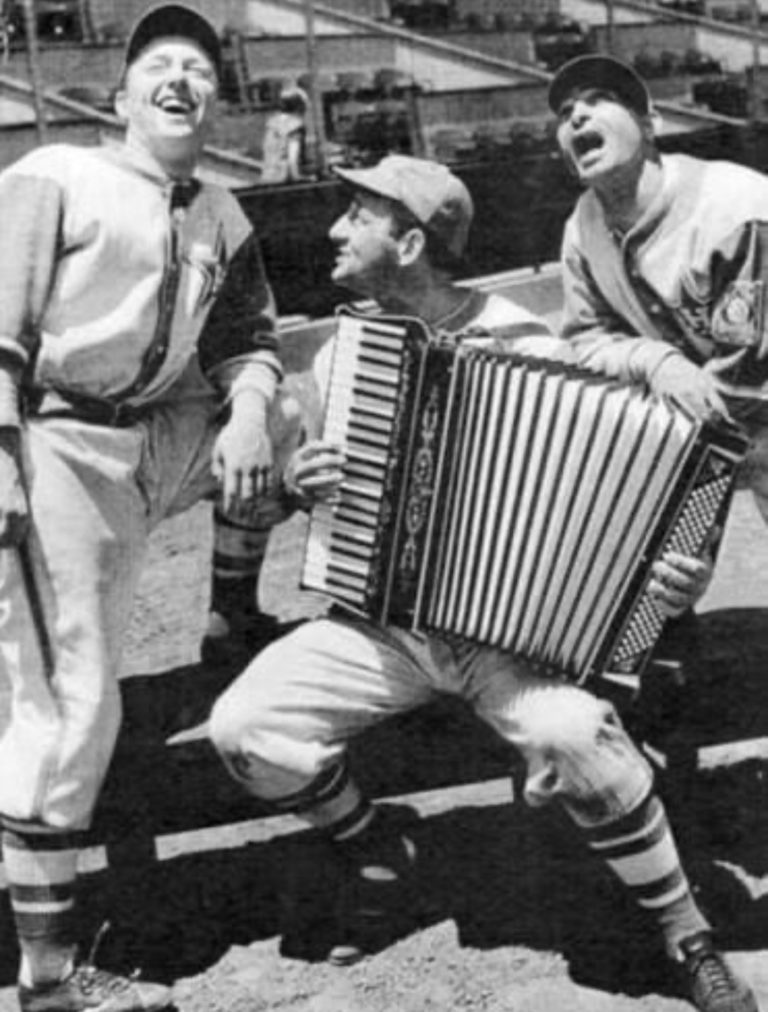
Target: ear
[(121, 104), (652, 124), (410, 246)]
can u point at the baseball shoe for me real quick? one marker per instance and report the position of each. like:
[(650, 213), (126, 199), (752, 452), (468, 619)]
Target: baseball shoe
[(710, 983), (233, 645), (90, 990), (375, 898)]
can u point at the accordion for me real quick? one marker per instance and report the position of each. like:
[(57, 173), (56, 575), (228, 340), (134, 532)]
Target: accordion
[(506, 500)]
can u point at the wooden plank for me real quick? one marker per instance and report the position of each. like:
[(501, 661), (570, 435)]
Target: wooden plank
[(263, 830)]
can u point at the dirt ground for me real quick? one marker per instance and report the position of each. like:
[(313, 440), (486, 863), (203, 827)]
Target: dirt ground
[(513, 915)]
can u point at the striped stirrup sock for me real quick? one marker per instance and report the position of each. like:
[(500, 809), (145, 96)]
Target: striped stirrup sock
[(332, 803), (238, 557), (641, 851), (42, 873)]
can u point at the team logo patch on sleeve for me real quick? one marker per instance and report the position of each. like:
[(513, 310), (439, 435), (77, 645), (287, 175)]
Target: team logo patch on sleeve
[(739, 315)]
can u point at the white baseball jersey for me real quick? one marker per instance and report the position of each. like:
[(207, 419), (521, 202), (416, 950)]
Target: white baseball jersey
[(109, 293)]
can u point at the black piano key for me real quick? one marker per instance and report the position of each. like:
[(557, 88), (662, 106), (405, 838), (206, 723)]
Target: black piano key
[(378, 339), (380, 357), (368, 421), (364, 516), (381, 407), (353, 500), (340, 545), (348, 512), (365, 401), (359, 434), (362, 535), (366, 456), (366, 383), (366, 471), (352, 572), (357, 486), (337, 585)]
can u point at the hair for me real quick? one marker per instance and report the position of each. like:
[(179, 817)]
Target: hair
[(440, 258), (293, 101)]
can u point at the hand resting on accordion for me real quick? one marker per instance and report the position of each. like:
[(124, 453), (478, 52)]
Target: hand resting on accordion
[(688, 384), (313, 473), (679, 581)]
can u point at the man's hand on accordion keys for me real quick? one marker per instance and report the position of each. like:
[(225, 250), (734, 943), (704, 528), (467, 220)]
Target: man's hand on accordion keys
[(679, 581), (314, 472)]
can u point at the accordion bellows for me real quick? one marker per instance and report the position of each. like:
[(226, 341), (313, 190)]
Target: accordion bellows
[(506, 500)]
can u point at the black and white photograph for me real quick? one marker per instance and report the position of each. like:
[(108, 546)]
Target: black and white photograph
[(384, 505)]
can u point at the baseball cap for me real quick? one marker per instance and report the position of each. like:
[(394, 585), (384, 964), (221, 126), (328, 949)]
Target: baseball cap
[(430, 191), (174, 20), (597, 71)]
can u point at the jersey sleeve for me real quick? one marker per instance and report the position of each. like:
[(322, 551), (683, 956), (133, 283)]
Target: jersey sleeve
[(238, 345), (31, 210), (601, 339)]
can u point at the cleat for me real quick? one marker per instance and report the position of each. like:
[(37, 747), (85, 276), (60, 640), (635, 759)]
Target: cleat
[(710, 983), (88, 989), (375, 900)]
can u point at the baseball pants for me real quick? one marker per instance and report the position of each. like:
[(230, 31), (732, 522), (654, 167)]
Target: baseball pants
[(96, 493), (287, 718)]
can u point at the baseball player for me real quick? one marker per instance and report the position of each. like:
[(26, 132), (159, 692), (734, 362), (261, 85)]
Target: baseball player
[(663, 257), (138, 373), (283, 148), (282, 727)]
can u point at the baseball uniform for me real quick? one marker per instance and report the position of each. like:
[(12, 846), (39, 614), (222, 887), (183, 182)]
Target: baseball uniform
[(686, 279), (136, 308)]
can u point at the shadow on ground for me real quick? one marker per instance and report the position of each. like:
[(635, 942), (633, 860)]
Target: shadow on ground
[(505, 875)]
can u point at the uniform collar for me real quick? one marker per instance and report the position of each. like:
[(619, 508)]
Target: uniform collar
[(141, 162), (666, 202)]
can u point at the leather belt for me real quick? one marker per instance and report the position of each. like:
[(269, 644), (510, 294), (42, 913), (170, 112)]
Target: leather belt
[(93, 410)]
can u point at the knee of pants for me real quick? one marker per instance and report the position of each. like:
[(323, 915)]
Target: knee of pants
[(562, 721), (230, 726), (578, 751), (61, 781), (261, 748)]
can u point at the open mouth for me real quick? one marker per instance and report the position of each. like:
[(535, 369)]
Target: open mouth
[(176, 106), (587, 142)]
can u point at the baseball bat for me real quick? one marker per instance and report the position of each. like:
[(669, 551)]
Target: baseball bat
[(35, 603)]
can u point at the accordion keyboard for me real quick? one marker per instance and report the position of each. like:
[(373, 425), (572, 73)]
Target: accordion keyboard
[(366, 377)]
